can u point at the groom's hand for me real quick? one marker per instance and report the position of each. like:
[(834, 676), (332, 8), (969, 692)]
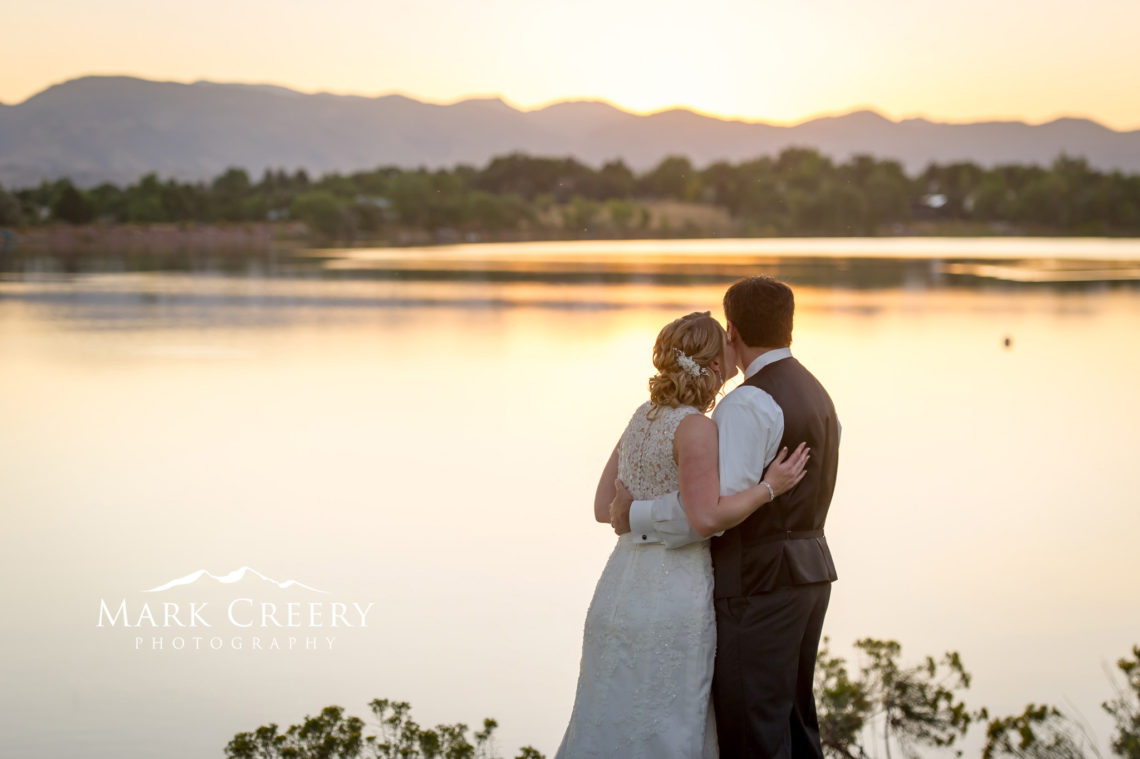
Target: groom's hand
[(619, 508)]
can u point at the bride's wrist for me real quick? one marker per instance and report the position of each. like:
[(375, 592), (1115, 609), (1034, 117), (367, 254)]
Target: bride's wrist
[(771, 492)]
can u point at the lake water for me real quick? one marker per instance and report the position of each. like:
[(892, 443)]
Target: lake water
[(422, 430)]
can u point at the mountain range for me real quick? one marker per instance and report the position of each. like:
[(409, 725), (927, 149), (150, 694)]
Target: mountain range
[(114, 128), (228, 579)]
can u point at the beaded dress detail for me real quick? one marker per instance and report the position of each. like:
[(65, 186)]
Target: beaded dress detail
[(650, 632)]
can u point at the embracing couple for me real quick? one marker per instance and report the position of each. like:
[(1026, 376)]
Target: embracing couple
[(701, 638)]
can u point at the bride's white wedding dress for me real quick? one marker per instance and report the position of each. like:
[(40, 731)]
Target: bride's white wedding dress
[(650, 633)]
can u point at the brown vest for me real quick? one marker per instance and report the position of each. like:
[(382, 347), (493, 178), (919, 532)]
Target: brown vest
[(782, 543)]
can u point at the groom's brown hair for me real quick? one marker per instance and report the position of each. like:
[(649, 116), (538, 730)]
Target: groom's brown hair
[(761, 309)]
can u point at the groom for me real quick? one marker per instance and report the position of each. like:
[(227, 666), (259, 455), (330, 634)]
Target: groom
[(773, 572)]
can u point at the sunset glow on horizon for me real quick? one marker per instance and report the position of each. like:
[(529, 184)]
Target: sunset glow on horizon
[(777, 62)]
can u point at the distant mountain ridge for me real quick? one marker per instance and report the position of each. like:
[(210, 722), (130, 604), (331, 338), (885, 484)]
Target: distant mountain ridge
[(113, 128), (229, 579)]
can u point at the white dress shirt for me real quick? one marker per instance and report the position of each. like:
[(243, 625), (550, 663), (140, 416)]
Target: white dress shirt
[(750, 426)]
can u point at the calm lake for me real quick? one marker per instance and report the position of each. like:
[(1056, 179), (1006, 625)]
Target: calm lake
[(422, 430)]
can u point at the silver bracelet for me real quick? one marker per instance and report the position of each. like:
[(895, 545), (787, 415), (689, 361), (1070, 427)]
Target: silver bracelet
[(770, 491)]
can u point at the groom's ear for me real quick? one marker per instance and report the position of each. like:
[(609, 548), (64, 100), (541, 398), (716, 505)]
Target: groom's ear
[(731, 330)]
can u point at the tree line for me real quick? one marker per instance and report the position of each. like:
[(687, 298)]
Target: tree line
[(798, 192), (915, 708)]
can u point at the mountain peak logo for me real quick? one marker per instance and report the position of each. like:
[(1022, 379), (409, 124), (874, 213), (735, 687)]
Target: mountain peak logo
[(230, 578)]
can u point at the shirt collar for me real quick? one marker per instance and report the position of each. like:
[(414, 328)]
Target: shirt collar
[(764, 359)]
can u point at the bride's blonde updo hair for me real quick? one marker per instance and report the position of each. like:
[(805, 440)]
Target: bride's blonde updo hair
[(699, 337)]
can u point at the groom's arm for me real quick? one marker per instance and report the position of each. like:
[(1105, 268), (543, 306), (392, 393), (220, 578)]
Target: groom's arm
[(661, 521), (749, 426)]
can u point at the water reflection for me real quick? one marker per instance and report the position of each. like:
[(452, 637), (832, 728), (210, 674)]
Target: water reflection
[(430, 441), (122, 291), (843, 263)]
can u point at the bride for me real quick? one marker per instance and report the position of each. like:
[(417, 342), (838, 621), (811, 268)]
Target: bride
[(650, 632)]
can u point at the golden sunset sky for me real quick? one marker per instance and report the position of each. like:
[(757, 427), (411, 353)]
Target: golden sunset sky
[(779, 61)]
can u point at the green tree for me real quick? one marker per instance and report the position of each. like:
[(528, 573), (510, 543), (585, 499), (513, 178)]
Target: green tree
[(1042, 201), (919, 703), (1040, 732), (71, 204), (229, 193), (145, 209), (110, 202), (614, 180), (1124, 200), (331, 735), (887, 191), (917, 706), (993, 199), (411, 195), (957, 182), (369, 216), (1125, 708), (495, 213), (621, 213), (324, 212), (670, 179), (798, 192), (803, 169), (762, 197), (579, 214), (723, 181), (843, 706), (530, 176), (144, 201), (11, 213)]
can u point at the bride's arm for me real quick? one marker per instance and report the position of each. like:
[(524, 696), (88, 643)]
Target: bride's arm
[(696, 447), (606, 488)]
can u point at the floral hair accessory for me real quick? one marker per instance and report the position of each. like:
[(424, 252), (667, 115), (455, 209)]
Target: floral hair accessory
[(690, 366)]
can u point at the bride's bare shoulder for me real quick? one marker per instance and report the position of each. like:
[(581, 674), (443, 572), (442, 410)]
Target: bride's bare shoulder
[(696, 424)]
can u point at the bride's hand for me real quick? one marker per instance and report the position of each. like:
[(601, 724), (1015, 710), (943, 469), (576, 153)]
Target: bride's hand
[(786, 471), (619, 508)]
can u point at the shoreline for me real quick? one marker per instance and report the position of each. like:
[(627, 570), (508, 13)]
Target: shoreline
[(258, 237)]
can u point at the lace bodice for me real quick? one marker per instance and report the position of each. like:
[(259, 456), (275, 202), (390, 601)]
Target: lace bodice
[(645, 460)]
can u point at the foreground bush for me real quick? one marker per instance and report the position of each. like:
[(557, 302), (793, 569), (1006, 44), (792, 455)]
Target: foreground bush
[(332, 735), (919, 710), (916, 709)]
